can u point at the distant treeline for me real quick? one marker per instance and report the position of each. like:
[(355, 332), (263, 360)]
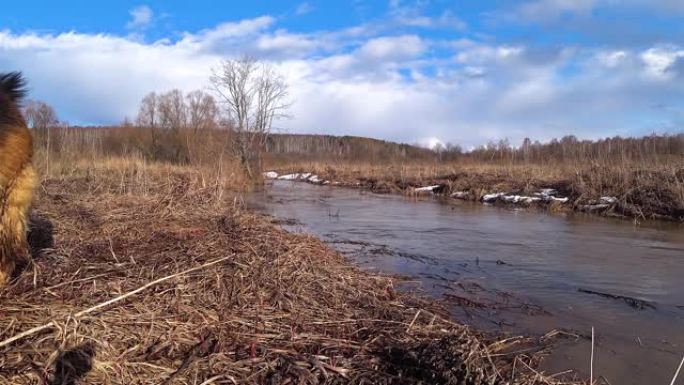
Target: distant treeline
[(189, 128), (190, 145), (653, 148), (186, 145), (328, 147)]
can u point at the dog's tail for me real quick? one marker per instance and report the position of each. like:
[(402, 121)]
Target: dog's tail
[(13, 85)]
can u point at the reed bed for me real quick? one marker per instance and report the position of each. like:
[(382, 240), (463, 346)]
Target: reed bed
[(155, 277)]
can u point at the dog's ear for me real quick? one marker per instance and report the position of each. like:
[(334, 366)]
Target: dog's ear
[(13, 85)]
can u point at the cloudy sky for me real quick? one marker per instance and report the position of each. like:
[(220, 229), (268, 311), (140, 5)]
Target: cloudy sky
[(463, 71)]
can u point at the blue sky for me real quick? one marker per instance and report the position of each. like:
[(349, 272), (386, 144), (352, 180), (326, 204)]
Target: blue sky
[(464, 72)]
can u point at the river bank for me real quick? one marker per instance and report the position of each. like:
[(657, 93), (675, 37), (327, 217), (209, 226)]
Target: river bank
[(639, 194), (515, 271), (156, 276)]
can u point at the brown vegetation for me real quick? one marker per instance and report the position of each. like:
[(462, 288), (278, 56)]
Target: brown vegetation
[(17, 178), (155, 277), (642, 177), (645, 175)]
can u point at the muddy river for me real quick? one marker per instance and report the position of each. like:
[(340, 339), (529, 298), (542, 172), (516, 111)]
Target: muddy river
[(517, 271)]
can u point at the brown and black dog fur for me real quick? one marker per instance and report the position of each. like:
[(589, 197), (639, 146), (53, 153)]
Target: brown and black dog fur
[(17, 176)]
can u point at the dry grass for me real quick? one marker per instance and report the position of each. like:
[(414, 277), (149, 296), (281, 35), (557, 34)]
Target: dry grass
[(644, 190), (277, 308)]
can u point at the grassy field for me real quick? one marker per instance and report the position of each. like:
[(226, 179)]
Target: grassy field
[(156, 275)]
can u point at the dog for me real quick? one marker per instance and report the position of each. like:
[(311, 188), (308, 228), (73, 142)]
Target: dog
[(17, 176)]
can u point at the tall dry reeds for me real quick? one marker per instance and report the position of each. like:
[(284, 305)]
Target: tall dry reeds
[(129, 150)]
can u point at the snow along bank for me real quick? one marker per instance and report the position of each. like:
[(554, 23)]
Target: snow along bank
[(298, 177), (429, 189), (546, 195)]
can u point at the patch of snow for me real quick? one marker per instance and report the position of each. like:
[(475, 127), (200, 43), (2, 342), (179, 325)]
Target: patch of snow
[(289, 177), (548, 192), (594, 208), (608, 200), (550, 195), (520, 199), (489, 198), (516, 199), (306, 176), (426, 189), (460, 195), (527, 199)]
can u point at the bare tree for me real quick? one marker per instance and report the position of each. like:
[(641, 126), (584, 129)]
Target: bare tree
[(172, 110), (253, 96), (148, 118), (202, 111), (172, 113), (147, 114), (40, 117), (202, 116)]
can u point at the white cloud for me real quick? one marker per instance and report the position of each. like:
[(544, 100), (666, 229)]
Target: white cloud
[(430, 142), (360, 81), (660, 60), (416, 21), (449, 20), (228, 31), (477, 53), (141, 17), (611, 59), (393, 48), (304, 8), (446, 20), (281, 42), (551, 10), (474, 71), (100, 78)]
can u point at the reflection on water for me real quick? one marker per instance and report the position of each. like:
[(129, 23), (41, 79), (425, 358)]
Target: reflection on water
[(526, 267)]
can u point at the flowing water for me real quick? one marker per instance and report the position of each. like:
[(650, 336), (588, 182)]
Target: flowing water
[(517, 271)]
